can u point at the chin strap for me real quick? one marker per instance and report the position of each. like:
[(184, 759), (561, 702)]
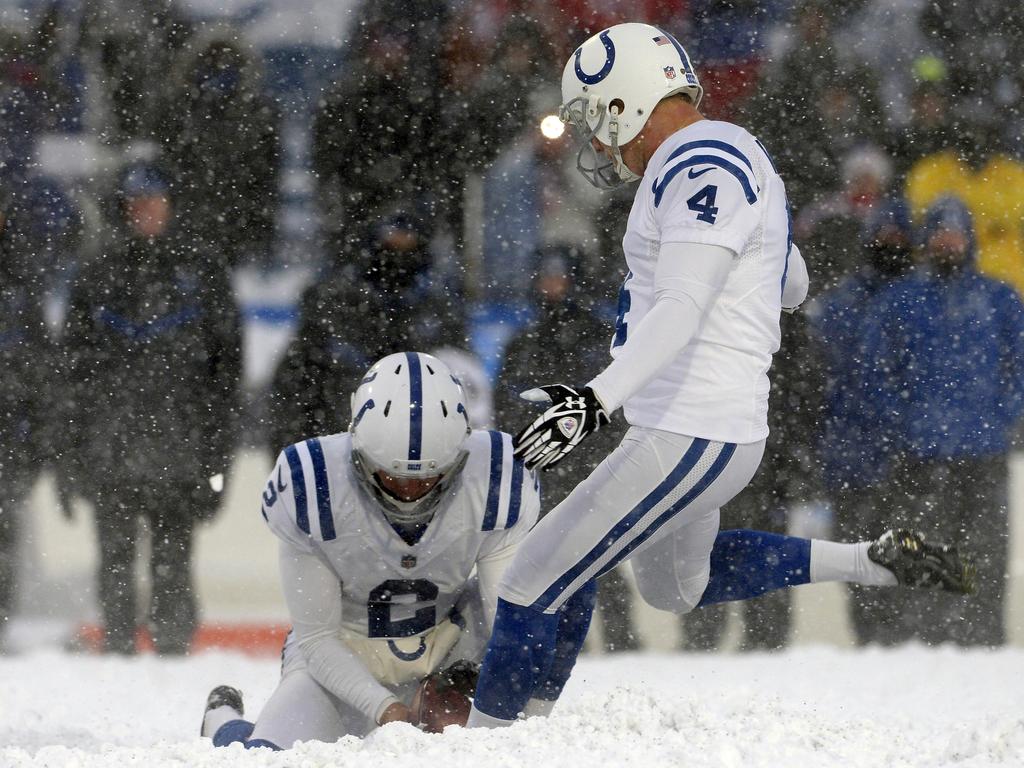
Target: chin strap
[(613, 133)]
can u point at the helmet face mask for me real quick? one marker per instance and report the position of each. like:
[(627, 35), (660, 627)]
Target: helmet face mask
[(611, 85), (603, 170), (409, 424), (406, 511)]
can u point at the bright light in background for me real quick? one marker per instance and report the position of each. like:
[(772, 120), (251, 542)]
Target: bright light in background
[(552, 127)]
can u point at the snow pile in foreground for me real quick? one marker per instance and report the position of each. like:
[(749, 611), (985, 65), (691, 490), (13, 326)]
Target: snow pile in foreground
[(806, 707)]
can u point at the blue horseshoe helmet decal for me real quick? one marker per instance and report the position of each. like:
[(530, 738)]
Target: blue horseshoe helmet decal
[(601, 74)]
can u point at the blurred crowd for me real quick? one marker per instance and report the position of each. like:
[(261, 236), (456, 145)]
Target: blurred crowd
[(150, 153)]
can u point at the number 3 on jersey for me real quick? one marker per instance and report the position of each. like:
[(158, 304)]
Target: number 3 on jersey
[(704, 204)]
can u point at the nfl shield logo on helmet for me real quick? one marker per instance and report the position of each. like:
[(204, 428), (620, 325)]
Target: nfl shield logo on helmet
[(670, 73), (567, 425)]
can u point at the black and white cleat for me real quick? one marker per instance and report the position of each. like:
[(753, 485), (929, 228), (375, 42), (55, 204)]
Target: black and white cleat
[(918, 563)]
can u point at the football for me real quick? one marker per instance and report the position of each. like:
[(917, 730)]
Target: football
[(437, 706)]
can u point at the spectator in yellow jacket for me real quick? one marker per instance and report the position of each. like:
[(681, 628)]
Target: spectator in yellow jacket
[(990, 182)]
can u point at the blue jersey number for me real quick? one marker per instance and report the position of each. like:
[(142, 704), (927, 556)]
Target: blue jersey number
[(704, 204), (270, 495), (382, 598), (625, 300)]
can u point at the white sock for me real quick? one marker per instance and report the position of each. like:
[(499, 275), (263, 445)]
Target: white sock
[(538, 708), (216, 717), (478, 719), (832, 561)]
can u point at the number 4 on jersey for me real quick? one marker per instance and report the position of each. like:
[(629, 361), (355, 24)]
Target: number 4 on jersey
[(704, 204)]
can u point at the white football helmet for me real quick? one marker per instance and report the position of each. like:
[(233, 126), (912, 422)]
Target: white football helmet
[(610, 86), (409, 422)]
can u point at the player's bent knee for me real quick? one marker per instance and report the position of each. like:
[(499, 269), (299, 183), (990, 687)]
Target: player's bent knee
[(674, 598), (673, 603), (687, 604)]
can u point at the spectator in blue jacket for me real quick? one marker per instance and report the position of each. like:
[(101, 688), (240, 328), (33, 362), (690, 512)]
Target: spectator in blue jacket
[(947, 348), (151, 386), (855, 444)]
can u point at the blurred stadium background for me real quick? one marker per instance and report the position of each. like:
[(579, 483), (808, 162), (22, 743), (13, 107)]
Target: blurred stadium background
[(84, 143)]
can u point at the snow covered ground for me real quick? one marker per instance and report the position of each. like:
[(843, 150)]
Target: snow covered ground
[(810, 706)]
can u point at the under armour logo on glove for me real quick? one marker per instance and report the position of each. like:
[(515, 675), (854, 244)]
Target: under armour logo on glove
[(572, 416)]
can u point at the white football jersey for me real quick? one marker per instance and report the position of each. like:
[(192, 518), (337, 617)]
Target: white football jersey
[(711, 183), (391, 589)]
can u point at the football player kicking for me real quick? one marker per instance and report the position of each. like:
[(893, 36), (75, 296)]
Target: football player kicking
[(711, 263), (393, 539)]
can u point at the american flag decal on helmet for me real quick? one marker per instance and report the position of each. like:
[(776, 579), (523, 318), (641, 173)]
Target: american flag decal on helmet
[(661, 40)]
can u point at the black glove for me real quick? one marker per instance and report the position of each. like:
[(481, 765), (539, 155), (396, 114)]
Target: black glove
[(573, 414)]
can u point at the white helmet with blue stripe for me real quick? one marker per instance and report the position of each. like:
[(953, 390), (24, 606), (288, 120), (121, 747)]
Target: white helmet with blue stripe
[(610, 86), (409, 427)]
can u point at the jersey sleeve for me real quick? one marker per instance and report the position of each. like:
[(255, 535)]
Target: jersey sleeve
[(278, 505), (511, 498), (706, 192), (500, 547), (522, 515)]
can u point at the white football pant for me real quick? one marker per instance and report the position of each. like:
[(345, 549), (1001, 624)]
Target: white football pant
[(654, 501)]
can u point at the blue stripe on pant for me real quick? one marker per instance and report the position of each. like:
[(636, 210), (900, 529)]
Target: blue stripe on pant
[(618, 544)]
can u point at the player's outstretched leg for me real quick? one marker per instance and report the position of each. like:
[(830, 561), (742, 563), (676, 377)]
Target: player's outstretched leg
[(224, 720), (745, 564)]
